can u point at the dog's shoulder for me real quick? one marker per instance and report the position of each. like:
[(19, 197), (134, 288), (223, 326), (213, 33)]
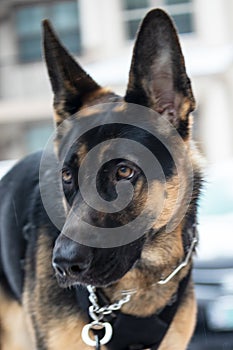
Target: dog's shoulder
[(21, 176), (17, 188), (18, 192)]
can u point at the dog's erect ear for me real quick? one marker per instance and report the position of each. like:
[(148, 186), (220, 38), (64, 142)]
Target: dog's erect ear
[(158, 77), (70, 83)]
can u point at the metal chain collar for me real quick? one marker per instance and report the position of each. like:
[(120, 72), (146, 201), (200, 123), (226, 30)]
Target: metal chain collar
[(185, 262), (97, 312)]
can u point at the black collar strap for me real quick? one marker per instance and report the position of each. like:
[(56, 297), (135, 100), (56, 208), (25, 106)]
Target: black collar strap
[(132, 332)]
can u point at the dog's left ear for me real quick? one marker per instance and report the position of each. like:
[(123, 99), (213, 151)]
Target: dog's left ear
[(158, 77), (70, 83)]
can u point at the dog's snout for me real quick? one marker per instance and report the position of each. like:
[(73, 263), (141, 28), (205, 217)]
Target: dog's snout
[(59, 269), (70, 259), (66, 268)]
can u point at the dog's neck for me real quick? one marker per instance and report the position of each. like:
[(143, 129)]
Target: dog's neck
[(157, 261)]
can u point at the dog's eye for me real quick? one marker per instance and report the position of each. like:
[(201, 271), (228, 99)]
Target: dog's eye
[(67, 176), (124, 173)]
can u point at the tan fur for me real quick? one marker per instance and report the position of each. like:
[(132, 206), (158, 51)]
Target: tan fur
[(182, 327), (120, 107), (98, 96), (66, 335), (89, 111), (57, 118), (162, 255), (13, 327), (82, 152), (32, 298), (163, 198), (163, 251)]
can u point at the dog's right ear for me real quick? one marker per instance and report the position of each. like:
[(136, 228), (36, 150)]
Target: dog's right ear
[(158, 77), (70, 83)]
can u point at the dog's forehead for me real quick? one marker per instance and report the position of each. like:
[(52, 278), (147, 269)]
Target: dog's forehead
[(94, 124), (113, 131), (104, 111), (119, 141)]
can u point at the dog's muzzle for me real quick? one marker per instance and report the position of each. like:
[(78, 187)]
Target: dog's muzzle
[(69, 260)]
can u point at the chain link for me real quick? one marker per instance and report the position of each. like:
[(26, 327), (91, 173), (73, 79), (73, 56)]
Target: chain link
[(97, 312)]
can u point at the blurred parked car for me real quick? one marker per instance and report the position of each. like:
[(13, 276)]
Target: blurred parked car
[(213, 268)]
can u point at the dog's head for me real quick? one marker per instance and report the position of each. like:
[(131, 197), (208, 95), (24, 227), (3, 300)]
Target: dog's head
[(158, 81)]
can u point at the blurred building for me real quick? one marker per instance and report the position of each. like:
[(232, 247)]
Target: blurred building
[(100, 33)]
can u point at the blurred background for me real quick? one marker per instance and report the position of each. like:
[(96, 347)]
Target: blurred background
[(101, 33)]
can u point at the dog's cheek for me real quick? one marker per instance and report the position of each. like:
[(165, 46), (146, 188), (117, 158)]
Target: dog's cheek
[(132, 252), (123, 260), (126, 259)]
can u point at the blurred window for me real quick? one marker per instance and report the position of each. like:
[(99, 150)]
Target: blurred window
[(180, 10), (134, 11), (182, 13), (64, 16), (24, 137), (36, 135)]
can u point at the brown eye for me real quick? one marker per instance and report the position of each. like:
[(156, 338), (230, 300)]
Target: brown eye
[(67, 176), (124, 173)]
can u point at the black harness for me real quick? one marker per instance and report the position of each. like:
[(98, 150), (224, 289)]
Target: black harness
[(132, 332)]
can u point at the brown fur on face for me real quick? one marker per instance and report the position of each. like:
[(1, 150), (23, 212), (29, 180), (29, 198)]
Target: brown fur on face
[(159, 258)]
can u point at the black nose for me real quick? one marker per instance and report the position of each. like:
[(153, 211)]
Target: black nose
[(70, 258), (69, 268)]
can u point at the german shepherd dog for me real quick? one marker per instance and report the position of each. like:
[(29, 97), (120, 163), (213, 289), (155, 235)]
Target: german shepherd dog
[(59, 292)]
